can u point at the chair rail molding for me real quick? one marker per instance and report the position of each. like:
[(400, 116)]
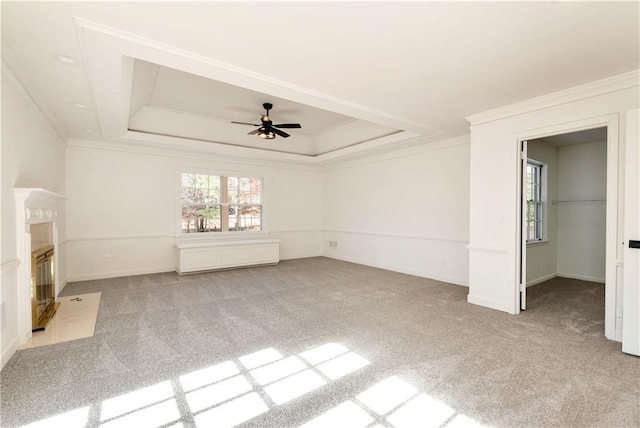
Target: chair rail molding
[(9, 266)]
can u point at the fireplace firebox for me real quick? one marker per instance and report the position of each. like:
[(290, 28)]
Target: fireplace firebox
[(43, 289)]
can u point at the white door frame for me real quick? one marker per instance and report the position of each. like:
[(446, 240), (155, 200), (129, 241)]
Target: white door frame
[(522, 177), (613, 263), (631, 286)]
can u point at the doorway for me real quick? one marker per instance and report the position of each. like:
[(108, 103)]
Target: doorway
[(568, 211)]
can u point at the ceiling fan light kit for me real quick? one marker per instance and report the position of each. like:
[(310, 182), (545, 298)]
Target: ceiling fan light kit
[(267, 135), (268, 130)]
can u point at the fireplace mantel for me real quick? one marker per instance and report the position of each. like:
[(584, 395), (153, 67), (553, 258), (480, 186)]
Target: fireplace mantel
[(36, 205), (33, 206)]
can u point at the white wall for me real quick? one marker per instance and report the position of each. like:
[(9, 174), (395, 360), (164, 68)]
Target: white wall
[(493, 259), (407, 211), (542, 258), (32, 156), (125, 204), (582, 225)]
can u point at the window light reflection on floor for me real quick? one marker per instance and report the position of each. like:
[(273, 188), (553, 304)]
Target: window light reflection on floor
[(398, 404), (294, 386), (260, 358), (217, 393), (347, 414), (136, 400), (386, 395), (208, 375), (323, 353), (462, 421), (153, 416), (422, 411), (342, 365), (76, 418), (232, 413), (278, 370), (227, 394)]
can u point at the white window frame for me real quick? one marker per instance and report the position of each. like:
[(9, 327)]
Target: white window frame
[(223, 234), (542, 202)]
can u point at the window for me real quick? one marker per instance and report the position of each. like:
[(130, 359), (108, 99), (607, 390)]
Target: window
[(219, 203), (535, 197)]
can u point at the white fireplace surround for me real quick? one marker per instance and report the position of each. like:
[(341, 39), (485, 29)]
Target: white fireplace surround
[(33, 206)]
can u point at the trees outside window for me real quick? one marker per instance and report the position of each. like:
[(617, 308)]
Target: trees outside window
[(535, 197), (219, 203)]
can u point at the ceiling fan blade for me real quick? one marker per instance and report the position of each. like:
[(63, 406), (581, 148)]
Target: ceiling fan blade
[(254, 132), (245, 123), (280, 133), (288, 125)]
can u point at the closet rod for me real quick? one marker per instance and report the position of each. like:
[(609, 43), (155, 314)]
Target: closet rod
[(580, 200)]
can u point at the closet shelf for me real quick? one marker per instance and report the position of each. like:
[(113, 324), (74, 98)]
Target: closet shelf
[(578, 201)]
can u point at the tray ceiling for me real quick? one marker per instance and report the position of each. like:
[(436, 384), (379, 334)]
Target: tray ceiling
[(383, 74), (169, 102)]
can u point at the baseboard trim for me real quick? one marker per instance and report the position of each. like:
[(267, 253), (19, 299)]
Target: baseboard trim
[(541, 279), (564, 275), (300, 256), (438, 277), (581, 277), (618, 335), (8, 352), (490, 303), (149, 271), (62, 285), (117, 274)]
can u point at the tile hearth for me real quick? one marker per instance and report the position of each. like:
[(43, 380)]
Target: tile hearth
[(75, 319)]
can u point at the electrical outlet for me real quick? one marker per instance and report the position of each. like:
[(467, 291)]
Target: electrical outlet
[(107, 258), (333, 244)]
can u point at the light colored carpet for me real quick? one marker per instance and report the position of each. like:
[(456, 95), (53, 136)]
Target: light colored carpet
[(399, 351)]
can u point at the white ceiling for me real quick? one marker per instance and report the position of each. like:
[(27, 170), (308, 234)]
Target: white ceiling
[(357, 75)]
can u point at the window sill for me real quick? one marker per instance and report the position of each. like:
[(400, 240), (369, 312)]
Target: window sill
[(536, 243)]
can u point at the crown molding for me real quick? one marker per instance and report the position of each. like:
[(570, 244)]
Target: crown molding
[(189, 151), (414, 147), (228, 151), (386, 142), (409, 147), (592, 89), (15, 72)]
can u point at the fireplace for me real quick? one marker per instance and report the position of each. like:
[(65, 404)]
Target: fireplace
[(37, 227), (43, 288)]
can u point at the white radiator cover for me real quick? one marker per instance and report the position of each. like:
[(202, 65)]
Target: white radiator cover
[(206, 256)]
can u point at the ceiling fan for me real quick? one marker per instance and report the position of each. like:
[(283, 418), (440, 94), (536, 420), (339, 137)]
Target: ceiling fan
[(267, 129)]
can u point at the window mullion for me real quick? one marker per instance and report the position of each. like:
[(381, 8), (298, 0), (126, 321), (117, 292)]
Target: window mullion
[(224, 197)]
